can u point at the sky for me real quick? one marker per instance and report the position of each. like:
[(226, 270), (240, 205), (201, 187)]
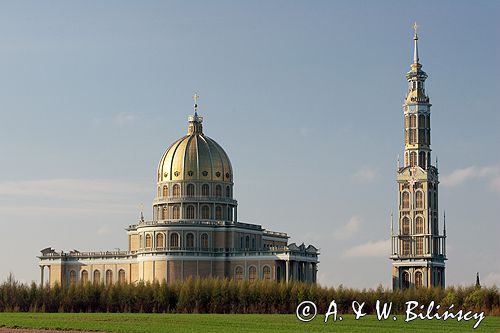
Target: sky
[(305, 97)]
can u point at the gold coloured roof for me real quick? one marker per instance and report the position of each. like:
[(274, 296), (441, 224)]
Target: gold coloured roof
[(195, 157)]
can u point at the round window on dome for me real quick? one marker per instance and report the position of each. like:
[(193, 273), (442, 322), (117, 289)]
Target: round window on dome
[(177, 173), (165, 174), (205, 173), (190, 173), (217, 174), (227, 175)]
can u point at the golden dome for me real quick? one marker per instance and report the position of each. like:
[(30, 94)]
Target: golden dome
[(195, 157)]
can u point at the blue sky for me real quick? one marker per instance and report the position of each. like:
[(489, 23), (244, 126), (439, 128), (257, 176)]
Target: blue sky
[(305, 97)]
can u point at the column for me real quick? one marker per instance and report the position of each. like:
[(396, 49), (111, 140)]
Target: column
[(287, 270), (41, 276)]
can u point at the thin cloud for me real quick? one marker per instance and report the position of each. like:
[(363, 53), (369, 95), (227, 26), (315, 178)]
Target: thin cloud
[(69, 197), (368, 250), (69, 189), (460, 176), (125, 118), (366, 174), (349, 229)]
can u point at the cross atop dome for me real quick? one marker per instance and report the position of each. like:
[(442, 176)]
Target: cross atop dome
[(195, 121), (195, 99)]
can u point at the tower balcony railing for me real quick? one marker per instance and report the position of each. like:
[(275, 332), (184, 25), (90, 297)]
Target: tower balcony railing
[(417, 256), (205, 199), (405, 246)]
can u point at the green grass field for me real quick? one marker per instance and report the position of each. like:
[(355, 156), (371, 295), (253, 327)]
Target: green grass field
[(207, 323)]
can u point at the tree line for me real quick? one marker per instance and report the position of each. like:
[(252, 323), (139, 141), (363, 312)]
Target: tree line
[(229, 296)]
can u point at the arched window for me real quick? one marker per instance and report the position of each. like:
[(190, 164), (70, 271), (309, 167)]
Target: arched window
[(253, 243), (252, 273), (165, 190), (228, 192), (72, 277), (159, 191), (413, 121), (177, 190), (406, 280), (414, 134), (419, 199), (165, 212), (413, 158), (190, 241), (121, 276), (421, 159), (418, 279), (190, 190), (406, 247), (247, 242), (205, 190), (174, 240), (218, 213), (420, 245), (266, 273), (406, 200), (419, 225), (148, 241), (406, 225), (97, 276), (109, 277), (176, 212), (190, 212), (421, 121), (85, 276), (238, 273), (204, 242), (205, 212), (160, 241), (218, 191)]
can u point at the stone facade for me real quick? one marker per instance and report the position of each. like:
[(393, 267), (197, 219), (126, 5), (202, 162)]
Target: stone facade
[(194, 231), (418, 250)]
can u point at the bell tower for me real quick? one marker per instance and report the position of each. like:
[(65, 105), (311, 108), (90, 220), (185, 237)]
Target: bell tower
[(418, 250)]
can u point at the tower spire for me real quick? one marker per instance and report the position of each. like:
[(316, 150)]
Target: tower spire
[(415, 41)]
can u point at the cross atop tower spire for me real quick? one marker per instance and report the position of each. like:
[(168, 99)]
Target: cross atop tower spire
[(415, 41)]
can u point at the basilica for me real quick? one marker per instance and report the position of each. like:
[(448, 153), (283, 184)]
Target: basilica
[(194, 232)]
